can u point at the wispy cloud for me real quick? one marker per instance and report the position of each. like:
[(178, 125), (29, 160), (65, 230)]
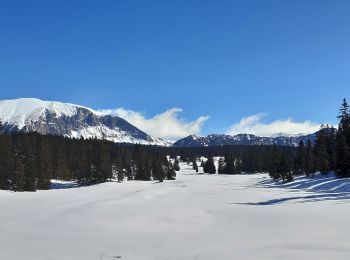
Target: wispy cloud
[(254, 124), (167, 125)]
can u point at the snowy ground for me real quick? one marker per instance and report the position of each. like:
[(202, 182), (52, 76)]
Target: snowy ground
[(195, 217)]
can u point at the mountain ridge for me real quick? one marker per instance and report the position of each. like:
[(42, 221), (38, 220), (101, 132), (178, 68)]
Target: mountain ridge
[(76, 121), (70, 120), (241, 139)]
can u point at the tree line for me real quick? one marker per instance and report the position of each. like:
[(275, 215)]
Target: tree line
[(28, 161), (329, 153)]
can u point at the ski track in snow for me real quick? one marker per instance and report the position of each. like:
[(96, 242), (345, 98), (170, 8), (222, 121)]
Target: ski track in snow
[(195, 217)]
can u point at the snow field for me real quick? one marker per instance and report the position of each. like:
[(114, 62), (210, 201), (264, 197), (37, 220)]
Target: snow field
[(194, 217)]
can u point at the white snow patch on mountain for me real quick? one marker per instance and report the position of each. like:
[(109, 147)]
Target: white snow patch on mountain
[(23, 110), (51, 117)]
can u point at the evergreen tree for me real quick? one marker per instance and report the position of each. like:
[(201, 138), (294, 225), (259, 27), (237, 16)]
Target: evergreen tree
[(343, 159), (283, 170), (238, 166), (120, 170), (30, 165), (80, 164), (229, 164), (171, 173), (19, 172), (309, 159), (321, 155), (344, 124), (45, 169), (6, 162), (176, 165), (299, 165), (194, 165), (221, 166), (274, 166), (209, 166), (1, 128), (158, 171), (343, 142)]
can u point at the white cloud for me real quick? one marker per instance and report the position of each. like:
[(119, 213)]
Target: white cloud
[(166, 125), (254, 124)]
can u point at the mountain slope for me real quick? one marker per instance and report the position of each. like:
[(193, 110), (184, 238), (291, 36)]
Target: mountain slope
[(241, 139), (50, 117)]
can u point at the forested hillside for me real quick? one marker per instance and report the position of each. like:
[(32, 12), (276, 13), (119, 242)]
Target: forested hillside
[(28, 161)]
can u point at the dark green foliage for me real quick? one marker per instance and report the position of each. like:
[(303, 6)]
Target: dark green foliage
[(343, 142), (194, 165), (343, 160), (19, 175), (300, 158), (309, 159), (221, 166), (322, 158), (209, 166), (284, 170), (28, 161), (118, 170), (158, 171), (229, 164), (6, 162), (176, 165), (170, 172), (1, 128)]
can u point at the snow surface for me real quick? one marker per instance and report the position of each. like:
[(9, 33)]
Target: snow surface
[(195, 217)]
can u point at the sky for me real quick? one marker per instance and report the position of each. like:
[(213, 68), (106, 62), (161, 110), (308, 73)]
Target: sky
[(183, 67)]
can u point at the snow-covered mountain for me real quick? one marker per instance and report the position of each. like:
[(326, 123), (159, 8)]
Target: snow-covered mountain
[(50, 117), (241, 139)]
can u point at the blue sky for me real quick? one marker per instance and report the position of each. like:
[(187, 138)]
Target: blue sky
[(228, 60)]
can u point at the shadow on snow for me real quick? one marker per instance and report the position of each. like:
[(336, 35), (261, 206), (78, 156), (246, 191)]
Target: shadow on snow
[(318, 187)]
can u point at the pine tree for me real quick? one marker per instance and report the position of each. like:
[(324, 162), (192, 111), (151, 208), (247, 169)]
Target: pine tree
[(344, 117), (299, 166), (176, 165), (81, 163), (194, 165), (343, 142), (120, 170), (209, 166), (321, 155), (309, 168), (45, 170), (343, 159), (274, 166), (238, 166), (105, 162), (221, 166), (229, 164), (30, 183), (19, 172), (157, 170), (170, 172), (283, 170), (1, 128), (6, 161)]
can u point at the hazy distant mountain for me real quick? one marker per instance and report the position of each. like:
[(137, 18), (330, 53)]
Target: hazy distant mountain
[(241, 139), (49, 117)]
